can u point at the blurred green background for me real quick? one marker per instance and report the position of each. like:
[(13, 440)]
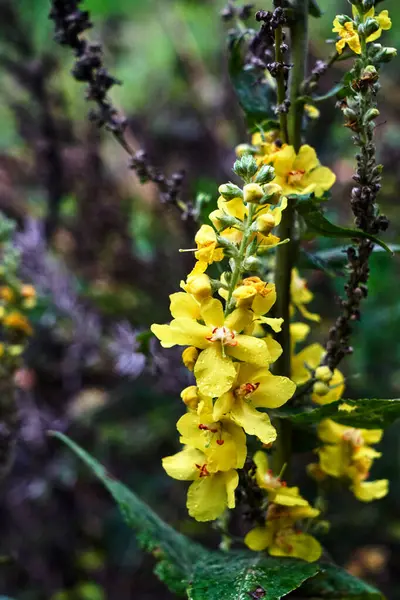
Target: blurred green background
[(62, 538)]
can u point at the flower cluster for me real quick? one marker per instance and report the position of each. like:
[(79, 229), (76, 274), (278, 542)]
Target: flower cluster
[(229, 346), (352, 31)]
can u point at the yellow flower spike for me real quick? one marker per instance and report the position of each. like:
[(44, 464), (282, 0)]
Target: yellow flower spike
[(301, 173), (189, 357), (301, 295), (190, 397), (211, 492), (16, 320), (254, 388)]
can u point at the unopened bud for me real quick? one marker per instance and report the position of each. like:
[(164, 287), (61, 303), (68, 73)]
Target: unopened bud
[(265, 223), (252, 263), (272, 193), (323, 374), (350, 114), (371, 114), (265, 174), (386, 55), (229, 191), (343, 19), (370, 26), (190, 397), (368, 4), (242, 149), (253, 192), (189, 357), (245, 167), (320, 388), (199, 286)]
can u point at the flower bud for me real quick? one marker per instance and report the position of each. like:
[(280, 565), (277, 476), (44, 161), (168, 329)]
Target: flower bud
[(371, 114), (244, 295), (245, 167), (320, 388), (252, 192), (323, 374), (265, 174), (15, 350), (190, 397), (229, 191), (199, 286), (350, 114), (343, 19), (189, 357), (386, 55), (265, 223), (252, 263), (242, 149), (370, 26), (272, 193), (368, 4)]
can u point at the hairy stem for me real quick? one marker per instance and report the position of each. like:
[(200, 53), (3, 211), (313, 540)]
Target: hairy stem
[(281, 88), (286, 254)]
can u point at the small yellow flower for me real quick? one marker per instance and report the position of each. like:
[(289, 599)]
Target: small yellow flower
[(16, 320), (300, 296), (207, 248), (219, 339), (198, 286), (189, 357), (278, 492), (211, 492), (266, 145), (348, 35), (301, 173), (190, 396), (254, 387), (311, 111)]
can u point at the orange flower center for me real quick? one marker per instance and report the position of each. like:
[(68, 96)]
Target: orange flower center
[(295, 177), (245, 390), (223, 335), (354, 437)]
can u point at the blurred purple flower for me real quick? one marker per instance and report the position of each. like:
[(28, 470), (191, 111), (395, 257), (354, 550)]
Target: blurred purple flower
[(123, 347)]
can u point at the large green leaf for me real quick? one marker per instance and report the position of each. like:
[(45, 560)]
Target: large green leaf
[(336, 584), (255, 96), (335, 258), (207, 575), (175, 552), (318, 223), (366, 413), (242, 576)]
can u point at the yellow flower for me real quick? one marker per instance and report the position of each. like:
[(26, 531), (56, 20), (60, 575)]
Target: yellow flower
[(347, 454), (278, 492), (254, 293), (211, 491), (300, 296), (348, 35), (189, 357), (16, 320), (254, 387), (198, 286), (221, 441), (281, 535), (266, 146), (207, 248), (301, 173), (219, 339), (311, 111), (385, 22)]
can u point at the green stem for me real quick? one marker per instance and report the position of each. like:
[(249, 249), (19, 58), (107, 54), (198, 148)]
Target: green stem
[(281, 88), (239, 270), (286, 254)]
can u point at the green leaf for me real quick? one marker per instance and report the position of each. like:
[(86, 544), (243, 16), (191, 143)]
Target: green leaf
[(335, 258), (336, 584), (255, 96), (314, 9), (337, 89), (309, 260), (175, 552), (367, 413), (237, 576), (318, 223)]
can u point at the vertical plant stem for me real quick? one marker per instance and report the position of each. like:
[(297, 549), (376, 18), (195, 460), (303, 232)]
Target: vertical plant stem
[(286, 254), (280, 82)]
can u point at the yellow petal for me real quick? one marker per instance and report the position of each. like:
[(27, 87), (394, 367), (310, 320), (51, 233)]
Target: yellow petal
[(298, 545), (258, 539), (299, 332), (231, 483), (275, 324), (288, 496), (372, 436), (207, 498), (188, 332), (238, 319), (250, 349), (283, 163), (375, 36), (214, 373), (331, 432), (261, 461), (323, 179), (206, 235), (223, 405), (354, 43), (336, 385), (334, 460), (239, 439), (184, 305), (274, 348), (306, 160), (273, 391), (367, 491), (182, 465), (253, 421), (384, 20), (310, 356), (212, 312)]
